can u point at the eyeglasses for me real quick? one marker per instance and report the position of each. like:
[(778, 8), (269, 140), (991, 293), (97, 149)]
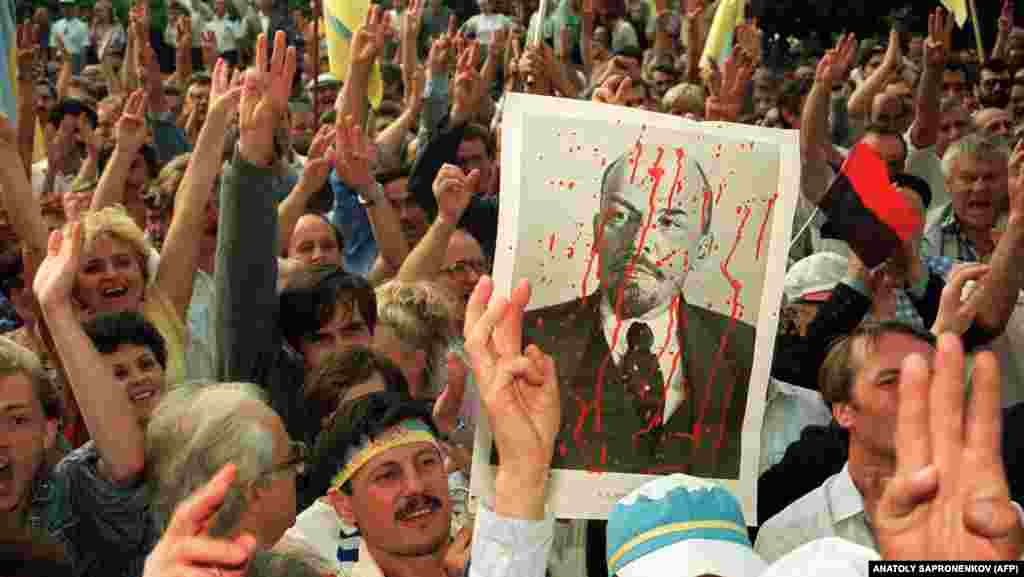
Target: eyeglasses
[(299, 456), (466, 266)]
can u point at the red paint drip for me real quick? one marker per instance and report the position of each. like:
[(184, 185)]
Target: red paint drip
[(704, 206), (639, 150), (663, 261), (764, 224), (551, 243), (655, 172), (723, 344), (721, 189), (677, 180)]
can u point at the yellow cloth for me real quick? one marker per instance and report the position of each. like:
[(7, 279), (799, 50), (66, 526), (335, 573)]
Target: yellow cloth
[(343, 18), (158, 310), (959, 10), (39, 151), (723, 27)]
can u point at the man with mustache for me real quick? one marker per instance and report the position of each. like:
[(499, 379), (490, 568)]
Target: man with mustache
[(652, 383)]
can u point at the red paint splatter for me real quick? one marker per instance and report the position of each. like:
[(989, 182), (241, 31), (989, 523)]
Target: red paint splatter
[(572, 184), (764, 224), (570, 252), (721, 188), (656, 172), (551, 243), (662, 261), (704, 206), (723, 344), (635, 161), (677, 182)]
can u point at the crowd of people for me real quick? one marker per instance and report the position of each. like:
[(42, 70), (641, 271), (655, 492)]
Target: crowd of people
[(249, 328)]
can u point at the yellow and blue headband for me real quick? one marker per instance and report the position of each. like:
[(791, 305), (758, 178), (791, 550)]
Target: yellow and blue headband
[(407, 432)]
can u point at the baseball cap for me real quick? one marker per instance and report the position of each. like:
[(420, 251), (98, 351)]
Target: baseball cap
[(681, 526), (830, 556), (325, 80), (811, 279)]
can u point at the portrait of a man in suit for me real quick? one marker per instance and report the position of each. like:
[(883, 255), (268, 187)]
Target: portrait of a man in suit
[(652, 380)]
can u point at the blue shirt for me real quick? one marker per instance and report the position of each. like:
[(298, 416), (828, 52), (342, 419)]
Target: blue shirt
[(351, 219)]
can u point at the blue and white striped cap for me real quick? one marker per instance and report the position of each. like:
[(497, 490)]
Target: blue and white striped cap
[(682, 526)]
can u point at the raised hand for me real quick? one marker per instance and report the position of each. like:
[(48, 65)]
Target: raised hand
[(131, 127), (750, 39), (183, 31), (354, 153), (956, 314), (414, 95), (453, 190), (614, 90), (939, 41), (320, 160), (518, 389), (893, 52), (438, 55), (949, 499), (412, 19), (449, 404), (1006, 17), (265, 99), (208, 42), (186, 549), (369, 38), (225, 90), (694, 10), (28, 48), (468, 86), (55, 278), (834, 66)]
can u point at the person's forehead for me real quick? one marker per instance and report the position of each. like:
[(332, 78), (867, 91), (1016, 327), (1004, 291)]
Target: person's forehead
[(17, 392), (975, 164), (310, 227), (130, 351), (634, 187), (398, 455), (988, 73), (888, 352)]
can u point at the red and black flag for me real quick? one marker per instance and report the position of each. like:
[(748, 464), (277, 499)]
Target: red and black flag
[(866, 210)]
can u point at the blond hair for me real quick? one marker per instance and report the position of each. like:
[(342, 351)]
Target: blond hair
[(422, 316), (114, 222)]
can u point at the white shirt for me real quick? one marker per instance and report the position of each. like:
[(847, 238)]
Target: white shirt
[(75, 34), (322, 530), (666, 347), (835, 509), (227, 33), (61, 182), (788, 411)]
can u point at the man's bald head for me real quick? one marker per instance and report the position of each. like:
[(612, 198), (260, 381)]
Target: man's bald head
[(994, 122)]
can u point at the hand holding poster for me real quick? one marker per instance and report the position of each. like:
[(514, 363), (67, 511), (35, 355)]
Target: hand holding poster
[(656, 251)]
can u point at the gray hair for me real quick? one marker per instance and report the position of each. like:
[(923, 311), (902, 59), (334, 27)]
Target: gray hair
[(191, 436), (978, 145)]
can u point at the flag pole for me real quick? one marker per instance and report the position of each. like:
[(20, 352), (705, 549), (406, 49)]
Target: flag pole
[(977, 31), (318, 13)]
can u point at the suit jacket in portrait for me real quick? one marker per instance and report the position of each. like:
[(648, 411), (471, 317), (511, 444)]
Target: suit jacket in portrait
[(702, 437)]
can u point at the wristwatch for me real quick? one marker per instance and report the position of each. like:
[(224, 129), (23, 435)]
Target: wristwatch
[(378, 191)]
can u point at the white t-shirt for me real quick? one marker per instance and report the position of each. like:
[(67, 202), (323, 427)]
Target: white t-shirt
[(227, 33), (75, 34)]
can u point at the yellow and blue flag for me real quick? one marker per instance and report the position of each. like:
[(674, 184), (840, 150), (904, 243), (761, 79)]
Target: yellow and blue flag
[(9, 62), (343, 18), (718, 46)]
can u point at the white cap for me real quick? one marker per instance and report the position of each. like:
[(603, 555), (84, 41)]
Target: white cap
[(832, 556)]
